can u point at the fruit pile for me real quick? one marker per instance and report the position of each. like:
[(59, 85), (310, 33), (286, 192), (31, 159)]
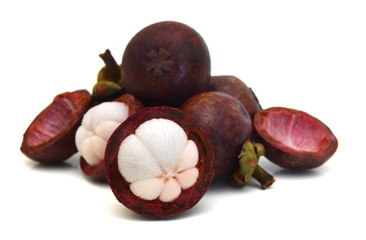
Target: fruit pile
[(160, 129)]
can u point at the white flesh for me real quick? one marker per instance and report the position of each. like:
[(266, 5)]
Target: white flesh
[(97, 126), (158, 160)]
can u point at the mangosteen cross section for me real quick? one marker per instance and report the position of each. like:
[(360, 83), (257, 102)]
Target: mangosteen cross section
[(97, 126), (158, 160)]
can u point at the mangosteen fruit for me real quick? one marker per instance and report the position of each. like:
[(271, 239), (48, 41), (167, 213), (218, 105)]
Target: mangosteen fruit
[(159, 162), (294, 139), (165, 64), (98, 124), (226, 123), (237, 88), (50, 136)]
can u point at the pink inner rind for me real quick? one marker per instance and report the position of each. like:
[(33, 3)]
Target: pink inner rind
[(58, 116), (298, 131)]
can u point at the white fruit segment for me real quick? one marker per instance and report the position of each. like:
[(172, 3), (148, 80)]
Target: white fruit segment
[(158, 160), (98, 124)]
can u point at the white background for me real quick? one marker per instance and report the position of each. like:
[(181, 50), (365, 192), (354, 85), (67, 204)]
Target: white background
[(309, 55)]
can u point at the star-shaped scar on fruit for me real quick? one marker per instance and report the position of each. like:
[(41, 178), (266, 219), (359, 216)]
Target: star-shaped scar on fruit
[(159, 62)]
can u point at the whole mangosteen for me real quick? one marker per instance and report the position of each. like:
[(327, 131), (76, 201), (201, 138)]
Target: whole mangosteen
[(237, 88), (165, 64), (226, 123)]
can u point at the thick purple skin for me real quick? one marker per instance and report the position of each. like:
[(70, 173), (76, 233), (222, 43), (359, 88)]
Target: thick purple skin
[(189, 197), (226, 123), (62, 146), (189, 58), (97, 172), (287, 157), (235, 87)]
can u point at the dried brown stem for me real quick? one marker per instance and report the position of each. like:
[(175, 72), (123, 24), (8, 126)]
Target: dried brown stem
[(111, 65), (263, 177)]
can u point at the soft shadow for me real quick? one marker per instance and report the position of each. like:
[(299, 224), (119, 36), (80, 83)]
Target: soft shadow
[(118, 210), (205, 205), (50, 166), (283, 173), (223, 187), (269, 166), (290, 173), (70, 163), (96, 182)]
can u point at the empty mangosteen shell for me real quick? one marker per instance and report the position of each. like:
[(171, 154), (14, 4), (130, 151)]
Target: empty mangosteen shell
[(227, 124), (188, 56), (62, 146), (285, 156), (189, 197), (97, 172), (237, 88)]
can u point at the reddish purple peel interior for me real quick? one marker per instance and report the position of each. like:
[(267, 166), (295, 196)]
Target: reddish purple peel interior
[(57, 117), (300, 132)]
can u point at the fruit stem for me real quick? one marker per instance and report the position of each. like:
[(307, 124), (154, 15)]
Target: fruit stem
[(248, 166), (263, 177), (111, 65)]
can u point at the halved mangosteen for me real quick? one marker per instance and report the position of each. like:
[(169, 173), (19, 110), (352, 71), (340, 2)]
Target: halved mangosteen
[(294, 139), (159, 162), (97, 126), (50, 136)]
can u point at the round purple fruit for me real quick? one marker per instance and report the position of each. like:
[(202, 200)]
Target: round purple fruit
[(235, 87), (227, 124), (165, 64)]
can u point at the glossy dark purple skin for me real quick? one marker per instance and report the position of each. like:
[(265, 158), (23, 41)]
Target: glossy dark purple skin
[(235, 87), (181, 71), (226, 123), (189, 197)]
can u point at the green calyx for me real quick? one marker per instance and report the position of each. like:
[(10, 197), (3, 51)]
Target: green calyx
[(106, 89), (247, 161), (109, 80), (248, 166)]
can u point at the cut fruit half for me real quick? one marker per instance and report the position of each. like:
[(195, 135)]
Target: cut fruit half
[(159, 162), (50, 136), (97, 126), (294, 139)]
